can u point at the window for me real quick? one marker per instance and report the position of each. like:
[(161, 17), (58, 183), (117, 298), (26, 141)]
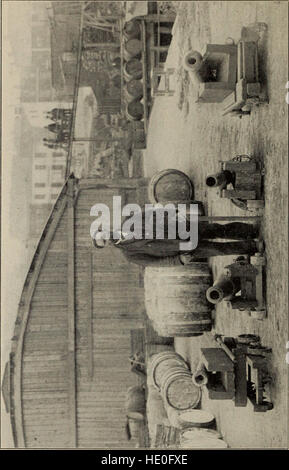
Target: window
[(57, 154), (56, 185), (57, 167), (39, 196), (39, 185), (40, 155), (54, 196), (40, 167)]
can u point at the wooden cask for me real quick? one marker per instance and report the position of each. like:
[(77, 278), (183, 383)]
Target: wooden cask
[(175, 299), (163, 362), (132, 29), (134, 110), (178, 390), (132, 69), (133, 90), (170, 186), (132, 48)]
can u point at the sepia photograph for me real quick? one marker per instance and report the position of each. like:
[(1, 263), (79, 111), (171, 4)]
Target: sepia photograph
[(144, 216)]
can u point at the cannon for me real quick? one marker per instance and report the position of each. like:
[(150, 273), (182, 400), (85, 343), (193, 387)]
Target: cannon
[(246, 278), (240, 180)]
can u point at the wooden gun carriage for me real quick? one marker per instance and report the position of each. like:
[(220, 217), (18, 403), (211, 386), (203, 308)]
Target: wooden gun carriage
[(238, 370)]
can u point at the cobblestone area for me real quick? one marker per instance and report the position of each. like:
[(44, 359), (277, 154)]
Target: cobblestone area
[(193, 137)]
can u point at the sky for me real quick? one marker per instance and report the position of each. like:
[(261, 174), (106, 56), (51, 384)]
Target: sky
[(15, 255)]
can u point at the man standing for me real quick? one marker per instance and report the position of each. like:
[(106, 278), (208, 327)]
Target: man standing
[(241, 239)]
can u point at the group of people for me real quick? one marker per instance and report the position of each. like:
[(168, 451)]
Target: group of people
[(60, 127)]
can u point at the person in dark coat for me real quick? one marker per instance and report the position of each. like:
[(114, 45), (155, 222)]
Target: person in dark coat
[(150, 251)]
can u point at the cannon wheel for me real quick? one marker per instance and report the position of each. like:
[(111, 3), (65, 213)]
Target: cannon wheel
[(242, 203)]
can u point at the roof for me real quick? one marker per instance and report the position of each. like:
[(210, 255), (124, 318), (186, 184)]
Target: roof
[(12, 381), (68, 370)]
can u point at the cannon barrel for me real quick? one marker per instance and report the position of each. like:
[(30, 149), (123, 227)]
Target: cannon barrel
[(200, 376), (224, 177), (224, 288)]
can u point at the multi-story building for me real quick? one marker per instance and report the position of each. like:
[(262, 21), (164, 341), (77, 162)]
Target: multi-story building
[(38, 96), (48, 165), (48, 175), (48, 172)]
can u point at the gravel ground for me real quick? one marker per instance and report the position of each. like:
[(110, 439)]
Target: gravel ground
[(193, 137)]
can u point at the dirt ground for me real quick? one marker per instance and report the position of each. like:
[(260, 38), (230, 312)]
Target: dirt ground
[(193, 137)]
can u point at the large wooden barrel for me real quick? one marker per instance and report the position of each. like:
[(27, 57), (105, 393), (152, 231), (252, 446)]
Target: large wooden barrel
[(132, 29), (132, 69), (132, 48), (135, 399), (170, 186), (163, 362), (175, 299), (134, 110), (178, 390), (134, 90)]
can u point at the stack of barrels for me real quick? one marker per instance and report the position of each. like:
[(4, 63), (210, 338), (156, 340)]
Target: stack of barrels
[(133, 71), (175, 401), (197, 429), (171, 376)]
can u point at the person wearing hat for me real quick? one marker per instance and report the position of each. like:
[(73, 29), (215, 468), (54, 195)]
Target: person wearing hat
[(241, 238)]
